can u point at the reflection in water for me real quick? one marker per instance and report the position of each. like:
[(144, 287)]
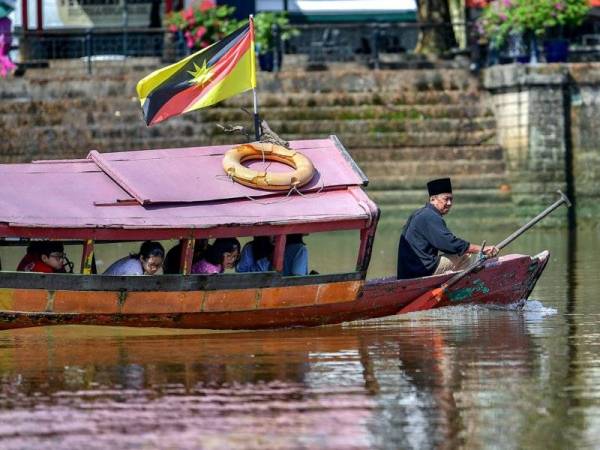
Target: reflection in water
[(457, 377), (383, 383)]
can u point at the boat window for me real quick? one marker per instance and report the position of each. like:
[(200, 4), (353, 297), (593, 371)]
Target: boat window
[(333, 252)]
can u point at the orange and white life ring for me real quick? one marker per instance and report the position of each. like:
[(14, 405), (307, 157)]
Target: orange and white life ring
[(275, 181)]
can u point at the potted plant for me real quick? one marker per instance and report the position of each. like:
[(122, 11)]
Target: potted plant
[(270, 29), (531, 19), (202, 24)]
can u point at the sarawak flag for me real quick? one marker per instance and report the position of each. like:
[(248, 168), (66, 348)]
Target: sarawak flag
[(204, 78)]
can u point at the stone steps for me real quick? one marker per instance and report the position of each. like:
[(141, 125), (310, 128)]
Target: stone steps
[(474, 153), (418, 181), (124, 138), (431, 168), (449, 118), (420, 196)]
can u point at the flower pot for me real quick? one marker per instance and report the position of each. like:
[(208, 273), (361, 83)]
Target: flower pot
[(270, 61), (556, 50)]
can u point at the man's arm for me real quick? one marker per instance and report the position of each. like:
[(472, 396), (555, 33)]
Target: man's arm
[(489, 250)]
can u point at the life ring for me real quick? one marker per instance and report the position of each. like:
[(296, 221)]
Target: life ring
[(275, 181)]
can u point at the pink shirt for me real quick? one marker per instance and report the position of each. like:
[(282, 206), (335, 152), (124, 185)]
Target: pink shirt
[(204, 266)]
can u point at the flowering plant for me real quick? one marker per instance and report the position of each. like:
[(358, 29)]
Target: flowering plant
[(264, 24), (500, 17), (202, 24)]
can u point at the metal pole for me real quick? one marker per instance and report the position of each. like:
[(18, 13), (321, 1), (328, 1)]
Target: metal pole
[(88, 50), (257, 131)]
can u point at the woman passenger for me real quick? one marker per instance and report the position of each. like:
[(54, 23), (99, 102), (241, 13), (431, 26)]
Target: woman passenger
[(256, 256), (148, 261), (222, 254)]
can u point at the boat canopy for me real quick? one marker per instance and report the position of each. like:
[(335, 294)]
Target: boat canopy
[(177, 192)]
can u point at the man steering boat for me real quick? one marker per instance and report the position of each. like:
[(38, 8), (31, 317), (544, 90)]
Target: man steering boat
[(425, 235)]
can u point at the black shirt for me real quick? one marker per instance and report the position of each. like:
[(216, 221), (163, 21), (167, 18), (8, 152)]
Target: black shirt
[(424, 234)]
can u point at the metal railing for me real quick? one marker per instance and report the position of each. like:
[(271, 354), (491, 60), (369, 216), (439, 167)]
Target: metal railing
[(321, 43)]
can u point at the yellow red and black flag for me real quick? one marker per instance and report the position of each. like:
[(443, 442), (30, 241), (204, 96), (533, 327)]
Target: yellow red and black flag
[(204, 78)]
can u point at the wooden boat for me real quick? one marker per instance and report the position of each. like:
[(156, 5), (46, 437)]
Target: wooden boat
[(183, 194)]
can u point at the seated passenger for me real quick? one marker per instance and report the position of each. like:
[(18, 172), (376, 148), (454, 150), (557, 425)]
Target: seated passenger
[(221, 255), (256, 255), (173, 259), (148, 261), (45, 257), (295, 257), (31, 256)]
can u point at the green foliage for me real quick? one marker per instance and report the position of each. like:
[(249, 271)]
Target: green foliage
[(500, 17), (264, 24)]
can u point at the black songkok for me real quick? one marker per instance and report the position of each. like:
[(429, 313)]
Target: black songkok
[(439, 186)]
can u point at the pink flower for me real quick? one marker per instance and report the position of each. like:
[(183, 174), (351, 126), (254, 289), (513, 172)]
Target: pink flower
[(507, 3), (503, 17), (189, 39), (559, 6), (173, 28), (188, 14), (207, 4), (201, 31)]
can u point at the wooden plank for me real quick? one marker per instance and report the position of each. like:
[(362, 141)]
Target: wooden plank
[(279, 252), (187, 255), (140, 234), (351, 161), (161, 302), (163, 283), (228, 300), (287, 297), (87, 257)]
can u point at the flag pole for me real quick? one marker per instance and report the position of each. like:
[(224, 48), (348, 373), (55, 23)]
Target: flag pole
[(254, 94), (256, 117)]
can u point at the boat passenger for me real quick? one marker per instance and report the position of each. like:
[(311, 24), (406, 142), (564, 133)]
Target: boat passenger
[(31, 256), (256, 256), (222, 254), (148, 261), (426, 234), (45, 257), (295, 257), (173, 259)]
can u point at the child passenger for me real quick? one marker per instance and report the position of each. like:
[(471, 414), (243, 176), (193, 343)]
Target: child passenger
[(148, 261), (222, 254), (44, 257)]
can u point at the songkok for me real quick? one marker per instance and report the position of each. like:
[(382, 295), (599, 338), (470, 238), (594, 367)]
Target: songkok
[(439, 186)]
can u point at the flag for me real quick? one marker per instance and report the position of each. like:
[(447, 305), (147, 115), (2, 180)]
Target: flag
[(222, 70)]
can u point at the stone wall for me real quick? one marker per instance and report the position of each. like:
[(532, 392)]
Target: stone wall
[(546, 118)]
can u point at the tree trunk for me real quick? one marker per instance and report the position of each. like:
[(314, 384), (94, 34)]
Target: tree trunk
[(436, 35)]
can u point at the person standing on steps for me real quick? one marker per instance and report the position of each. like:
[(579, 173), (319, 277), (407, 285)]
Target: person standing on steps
[(425, 235)]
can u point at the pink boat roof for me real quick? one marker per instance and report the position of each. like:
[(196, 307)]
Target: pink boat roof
[(183, 188)]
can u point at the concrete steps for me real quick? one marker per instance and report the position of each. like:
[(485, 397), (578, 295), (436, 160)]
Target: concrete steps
[(403, 127)]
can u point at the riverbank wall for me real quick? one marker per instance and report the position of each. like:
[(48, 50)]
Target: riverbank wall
[(501, 137)]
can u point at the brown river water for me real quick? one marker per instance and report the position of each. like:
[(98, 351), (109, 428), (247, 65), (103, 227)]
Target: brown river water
[(460, 377)]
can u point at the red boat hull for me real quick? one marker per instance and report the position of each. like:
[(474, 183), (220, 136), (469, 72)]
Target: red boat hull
[(502, 281)]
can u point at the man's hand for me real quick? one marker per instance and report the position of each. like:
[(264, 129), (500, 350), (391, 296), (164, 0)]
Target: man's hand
[(490, 251)]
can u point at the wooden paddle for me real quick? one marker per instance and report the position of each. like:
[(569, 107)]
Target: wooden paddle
[(431, 298)]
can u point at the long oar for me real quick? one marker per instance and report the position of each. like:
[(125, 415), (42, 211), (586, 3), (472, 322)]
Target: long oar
[(430, 298)]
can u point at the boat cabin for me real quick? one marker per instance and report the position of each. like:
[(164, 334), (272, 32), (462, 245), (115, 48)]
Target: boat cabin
[(180, 194)]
